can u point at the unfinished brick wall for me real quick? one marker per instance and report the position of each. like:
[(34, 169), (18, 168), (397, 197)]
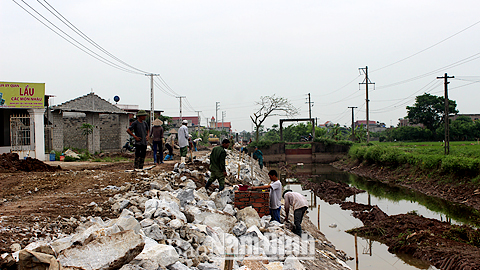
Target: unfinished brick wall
[(260, 201)]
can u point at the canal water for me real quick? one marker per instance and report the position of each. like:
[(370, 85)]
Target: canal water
[(334, 221)]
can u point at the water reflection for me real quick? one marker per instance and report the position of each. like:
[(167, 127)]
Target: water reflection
[(392, 199), (438, 208), (333, 222)]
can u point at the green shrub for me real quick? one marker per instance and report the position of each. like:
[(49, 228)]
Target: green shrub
[(374, 153), (69, 159), (462, 161), (328, 141), (357, 152), (429, 162), (263, 144)]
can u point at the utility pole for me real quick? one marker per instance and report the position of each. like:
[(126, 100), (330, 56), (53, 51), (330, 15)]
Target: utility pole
[(366, 81), (152, 107), (217, 106), (224, 113), (180, 97), (447, 113), (353, 124), (198, 115), (310, 105)]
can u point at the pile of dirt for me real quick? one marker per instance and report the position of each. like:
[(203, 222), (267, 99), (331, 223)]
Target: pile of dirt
[(329, 191), (10, 162), (355, 206), (444, 245)]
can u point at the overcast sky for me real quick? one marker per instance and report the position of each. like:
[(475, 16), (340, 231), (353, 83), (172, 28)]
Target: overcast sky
[(234, 52)]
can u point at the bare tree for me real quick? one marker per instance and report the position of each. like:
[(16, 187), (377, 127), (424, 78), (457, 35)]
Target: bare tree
[(271, 106)]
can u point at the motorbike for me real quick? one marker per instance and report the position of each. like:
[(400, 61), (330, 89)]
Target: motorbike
[(129, 146), (306, 138)]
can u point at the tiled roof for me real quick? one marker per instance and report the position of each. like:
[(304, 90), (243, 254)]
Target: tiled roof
[(89, 103)]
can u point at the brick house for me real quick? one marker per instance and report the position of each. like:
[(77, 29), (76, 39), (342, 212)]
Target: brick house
[(109, 124)]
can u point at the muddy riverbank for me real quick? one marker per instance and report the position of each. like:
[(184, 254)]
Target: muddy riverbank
[(442, 186), (441, 244)]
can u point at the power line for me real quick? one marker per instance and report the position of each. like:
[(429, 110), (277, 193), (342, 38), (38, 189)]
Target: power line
[(430, 86), (455, 64), (84, 36), (92, 54), (441, 41), (338, 88), (163, 90), (162, 81)]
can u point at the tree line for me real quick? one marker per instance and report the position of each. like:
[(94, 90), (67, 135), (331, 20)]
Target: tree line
[(429, 110)]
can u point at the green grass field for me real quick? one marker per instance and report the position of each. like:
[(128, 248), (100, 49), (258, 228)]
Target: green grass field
[(463, 160), (460, 149)]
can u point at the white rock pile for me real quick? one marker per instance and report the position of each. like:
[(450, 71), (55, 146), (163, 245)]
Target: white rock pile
[(176, 225)]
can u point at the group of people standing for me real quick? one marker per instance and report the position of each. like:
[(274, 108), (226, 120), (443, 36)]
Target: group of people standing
[(139, 131)]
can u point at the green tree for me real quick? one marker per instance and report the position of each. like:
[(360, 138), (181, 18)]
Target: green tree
[(462, 129), (429, 111), (87, 129), (271, 106)]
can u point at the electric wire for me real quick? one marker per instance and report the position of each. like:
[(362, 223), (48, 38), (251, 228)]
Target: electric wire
[(441, 41), (430, 86), (163, 90), (455, 87), (166, 85), (338, 88), (85, 50), (83, 35), (455, 64)]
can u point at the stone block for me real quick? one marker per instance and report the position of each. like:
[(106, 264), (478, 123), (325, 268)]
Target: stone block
[(116, 250)]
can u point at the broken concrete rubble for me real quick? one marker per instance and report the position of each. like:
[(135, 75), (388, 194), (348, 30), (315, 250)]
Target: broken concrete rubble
[(249, 216), (116, 250), (162, 255), (174, 224)]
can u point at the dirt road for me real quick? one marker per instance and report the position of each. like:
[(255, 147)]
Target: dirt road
[(41, 204)]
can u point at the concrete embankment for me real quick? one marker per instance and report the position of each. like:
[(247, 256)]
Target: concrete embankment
[(319, 152)]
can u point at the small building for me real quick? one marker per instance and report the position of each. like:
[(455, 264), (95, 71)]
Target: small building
[(359, 123), (192, 121), (227, 126), (109, 125), (22, 112), (374, 126), (474, 117), (133, 109), (405, 122)]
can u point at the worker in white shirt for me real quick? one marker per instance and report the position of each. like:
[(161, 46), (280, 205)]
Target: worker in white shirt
[(300, 206), (183, 138)]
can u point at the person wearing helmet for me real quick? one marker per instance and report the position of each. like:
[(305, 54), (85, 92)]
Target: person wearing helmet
[(299, 204), (183, 138), (139, 131)]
